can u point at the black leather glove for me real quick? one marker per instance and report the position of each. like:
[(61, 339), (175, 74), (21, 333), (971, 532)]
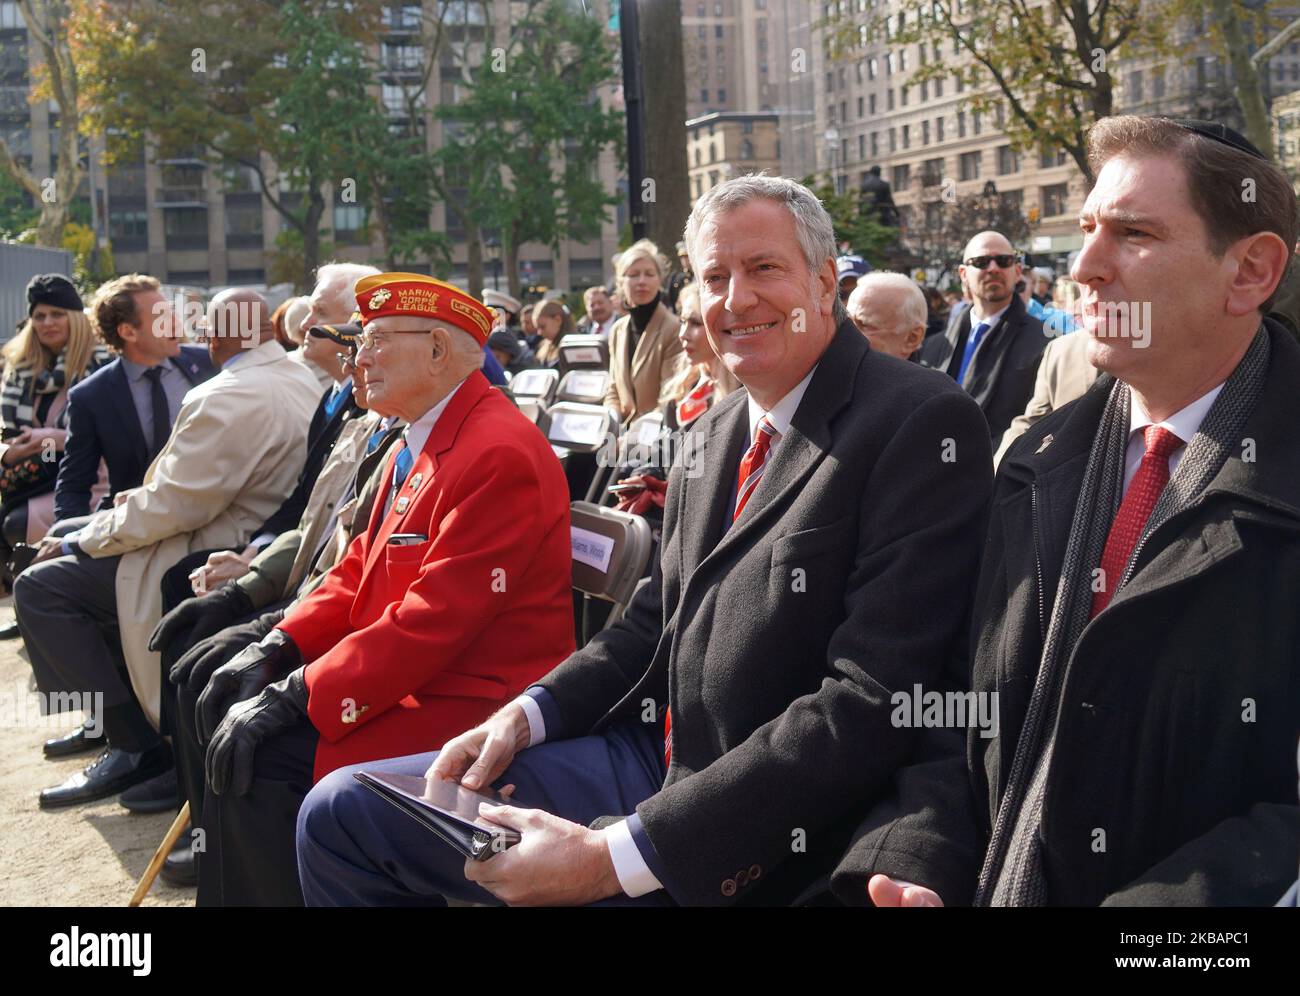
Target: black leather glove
[(196, 665), (230, 755), (248, 673), (198, 618)]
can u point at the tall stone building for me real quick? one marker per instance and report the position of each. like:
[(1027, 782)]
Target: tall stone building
[(190, 224)]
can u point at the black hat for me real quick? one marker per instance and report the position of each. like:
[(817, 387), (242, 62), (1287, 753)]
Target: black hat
[(506, 341), (344, 335), (1220, 133), (53, 289)]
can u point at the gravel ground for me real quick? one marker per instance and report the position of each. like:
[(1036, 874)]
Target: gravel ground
[(91, 855)]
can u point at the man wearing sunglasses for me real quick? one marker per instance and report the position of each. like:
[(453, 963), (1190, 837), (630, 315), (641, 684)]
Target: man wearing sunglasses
[(993, 347)]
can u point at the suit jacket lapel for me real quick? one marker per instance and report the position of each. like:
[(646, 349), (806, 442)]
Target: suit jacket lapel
[(809, 438), (707, 495), (425, 466)]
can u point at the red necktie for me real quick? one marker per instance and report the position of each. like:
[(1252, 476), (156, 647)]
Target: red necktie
[(1143, 493), (751, 465), (751, 472)]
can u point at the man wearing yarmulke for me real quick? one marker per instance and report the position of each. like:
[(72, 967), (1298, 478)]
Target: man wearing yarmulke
[(439, 613)]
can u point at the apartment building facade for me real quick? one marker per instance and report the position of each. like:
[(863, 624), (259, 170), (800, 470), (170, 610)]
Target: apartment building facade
[(190, 223)]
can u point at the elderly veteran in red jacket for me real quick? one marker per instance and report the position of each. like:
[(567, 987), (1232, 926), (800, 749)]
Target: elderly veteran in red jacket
[(454, 600)]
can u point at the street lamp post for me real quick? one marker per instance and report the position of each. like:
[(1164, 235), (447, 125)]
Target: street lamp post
[(492, 249)]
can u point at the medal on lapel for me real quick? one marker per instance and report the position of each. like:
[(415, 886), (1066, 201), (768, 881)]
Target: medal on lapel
[(404, 502)]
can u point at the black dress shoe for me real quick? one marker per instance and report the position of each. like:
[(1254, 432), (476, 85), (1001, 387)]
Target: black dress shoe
[(112, 772), (76, 742), (10, 632), (157, 795), (179, 868)]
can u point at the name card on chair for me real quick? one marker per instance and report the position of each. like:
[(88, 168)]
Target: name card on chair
[(592, 549)]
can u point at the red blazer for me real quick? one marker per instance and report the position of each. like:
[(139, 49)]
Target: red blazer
[(408, 646)]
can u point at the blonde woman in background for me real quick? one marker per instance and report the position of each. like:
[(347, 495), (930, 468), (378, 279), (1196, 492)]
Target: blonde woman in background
[(645, 354), (705, 381), (55, 349), (553, 322)]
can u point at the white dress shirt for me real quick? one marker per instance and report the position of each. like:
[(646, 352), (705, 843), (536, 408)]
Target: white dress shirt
[(634, 875), (1183, 423), (418, 432)]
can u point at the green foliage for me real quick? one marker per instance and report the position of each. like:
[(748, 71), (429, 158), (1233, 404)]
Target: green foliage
[(856, 224), (1047, 64), (524, 144), (17, 213)]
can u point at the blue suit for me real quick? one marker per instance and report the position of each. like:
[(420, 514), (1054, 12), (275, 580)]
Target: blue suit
[(102, 425)]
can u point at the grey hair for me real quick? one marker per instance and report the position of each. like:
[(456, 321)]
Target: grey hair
[(331, 273), (913, 310), (812, 225)]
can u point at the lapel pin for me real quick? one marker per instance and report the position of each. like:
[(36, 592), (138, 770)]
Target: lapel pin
[(402, 504), (1047, 441), (415, 480)]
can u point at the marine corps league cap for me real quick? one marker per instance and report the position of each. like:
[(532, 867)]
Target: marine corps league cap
[(386, 295)]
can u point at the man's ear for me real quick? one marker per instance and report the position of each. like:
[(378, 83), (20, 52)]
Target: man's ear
[(123, 328), (828, 284), (441, 345)]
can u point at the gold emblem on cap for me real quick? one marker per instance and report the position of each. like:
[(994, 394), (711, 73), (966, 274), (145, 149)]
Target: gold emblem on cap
[(378, 298)]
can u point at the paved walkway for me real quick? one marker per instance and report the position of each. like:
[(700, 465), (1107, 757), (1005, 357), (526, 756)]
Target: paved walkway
[(87, 856)]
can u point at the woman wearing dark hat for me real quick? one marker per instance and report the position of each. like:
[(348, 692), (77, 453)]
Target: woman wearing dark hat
[(55, 349)]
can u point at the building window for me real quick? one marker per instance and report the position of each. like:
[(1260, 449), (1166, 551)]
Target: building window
[(717, 31), (350, 223), (871, 69), (934, 216), (1008, 161), (1048, 158), (925, 132), (861, 105), (961, 124), (129, 229), (889, 99), (932, 172), (925, 89), (907, 136), (704, 95), (1158, 82), (1012, 201), (1055, 199), (875, 144), (244, 221), (746, 149), (186, 228), (975, 122), (1135, 87), (893, 139), (938, 129), (902, 176), (902, 95), (871, 104)]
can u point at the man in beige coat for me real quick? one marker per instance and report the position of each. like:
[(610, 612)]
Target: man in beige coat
[(1063, 375), (235, 453)]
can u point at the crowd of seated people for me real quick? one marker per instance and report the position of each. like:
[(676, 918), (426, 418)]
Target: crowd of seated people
[(863, 667)]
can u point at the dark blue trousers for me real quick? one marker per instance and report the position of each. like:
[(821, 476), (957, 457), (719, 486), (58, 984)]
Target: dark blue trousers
[(356, 849)]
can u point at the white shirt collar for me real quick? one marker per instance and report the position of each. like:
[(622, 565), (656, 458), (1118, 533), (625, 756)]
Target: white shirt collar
[(992, 320), (1183, 423), (782, 412), (419, 431)]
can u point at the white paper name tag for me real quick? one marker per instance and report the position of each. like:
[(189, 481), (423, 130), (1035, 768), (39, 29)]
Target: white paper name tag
[(592, 549), (582, 354), (587, 385), (567, 427)]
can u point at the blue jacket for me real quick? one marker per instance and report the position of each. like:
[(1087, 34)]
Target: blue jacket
[(103, 425)]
